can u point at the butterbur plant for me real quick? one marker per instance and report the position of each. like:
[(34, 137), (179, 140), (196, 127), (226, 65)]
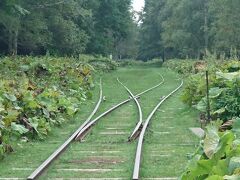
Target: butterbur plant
[(37, 94), (224, 97), (217, 157)]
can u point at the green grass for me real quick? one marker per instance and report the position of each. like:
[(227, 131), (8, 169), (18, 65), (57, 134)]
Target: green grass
[(30, 155), (170, 137), (92, 153)]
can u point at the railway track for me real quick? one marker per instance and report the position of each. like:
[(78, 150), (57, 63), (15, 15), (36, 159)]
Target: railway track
[(81, 132), (84, 131), (138, 155), (138, 127), (61, 149)]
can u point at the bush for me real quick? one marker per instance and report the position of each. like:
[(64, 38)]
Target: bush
[(185, 67), (218, 156), (99, 63), (131, 62), (223, 93), (39, 93)]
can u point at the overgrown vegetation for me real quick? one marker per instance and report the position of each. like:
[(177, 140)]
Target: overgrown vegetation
[(223, 93), (132, 62), (217, 156), (66, 27), (185, 67), (39, 93)]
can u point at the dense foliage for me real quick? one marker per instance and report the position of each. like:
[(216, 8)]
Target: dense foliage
[(224, 85), (218, 154), (183, 67), (166, 28), (39, 93), (132, 62), (217, 158), (224, 88), (187, 28), (66, 27)]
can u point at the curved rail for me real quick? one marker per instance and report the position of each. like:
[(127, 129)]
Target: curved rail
[(141, 137), (55, 154), (154, 87), (85, 130), (139, 124)]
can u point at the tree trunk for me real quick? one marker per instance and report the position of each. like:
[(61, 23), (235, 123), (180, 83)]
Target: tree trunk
[(206, 25), (13, 42), (163, 55), (10, 37)]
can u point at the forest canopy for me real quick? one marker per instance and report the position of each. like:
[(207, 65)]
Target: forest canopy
[(187, 28), (64, 27), (166, 28)]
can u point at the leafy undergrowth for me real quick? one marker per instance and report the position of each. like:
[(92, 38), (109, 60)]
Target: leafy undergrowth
[(218, 156), (185, 66), (39, 93), (132, 62), (106, 146), (224, 86), (224, 80), (224, 99)]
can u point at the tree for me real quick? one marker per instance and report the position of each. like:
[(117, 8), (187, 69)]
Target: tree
[(226, 27), (150, 41), (185, 29), (64, 23), (10, 15), (112, 24)]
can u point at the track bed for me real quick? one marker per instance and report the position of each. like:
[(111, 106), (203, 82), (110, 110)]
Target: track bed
[(106, 153)]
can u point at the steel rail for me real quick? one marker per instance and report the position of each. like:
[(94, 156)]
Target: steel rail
[(139, 123), (137, 163), (61, 149), (138, 127), (154, 87), (84, 131)]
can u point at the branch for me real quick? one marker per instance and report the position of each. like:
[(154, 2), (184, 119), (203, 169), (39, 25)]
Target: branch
[(51, 4)]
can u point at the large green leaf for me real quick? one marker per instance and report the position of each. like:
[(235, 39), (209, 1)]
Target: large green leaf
[(202, 105), (34, 123), (18, 128), (233, 177), (236, 126), (203, 168), (211, 141), (11, 116), (220, 111), (10, 97), (2, 109), (225, 145), (30, 101), (234, 163), (228, 76), (215, 92), (49, 103), (220, 168), (2, 125), (71, 110), (215, 177)]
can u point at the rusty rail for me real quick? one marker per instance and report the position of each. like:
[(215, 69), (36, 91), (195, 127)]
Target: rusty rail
[(139, 124), (84, 131), (138, 155), (80, 131), (61, 149)]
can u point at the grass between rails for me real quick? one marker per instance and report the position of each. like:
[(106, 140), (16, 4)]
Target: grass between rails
[(169, 140), (121, 122), (104, 152)]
